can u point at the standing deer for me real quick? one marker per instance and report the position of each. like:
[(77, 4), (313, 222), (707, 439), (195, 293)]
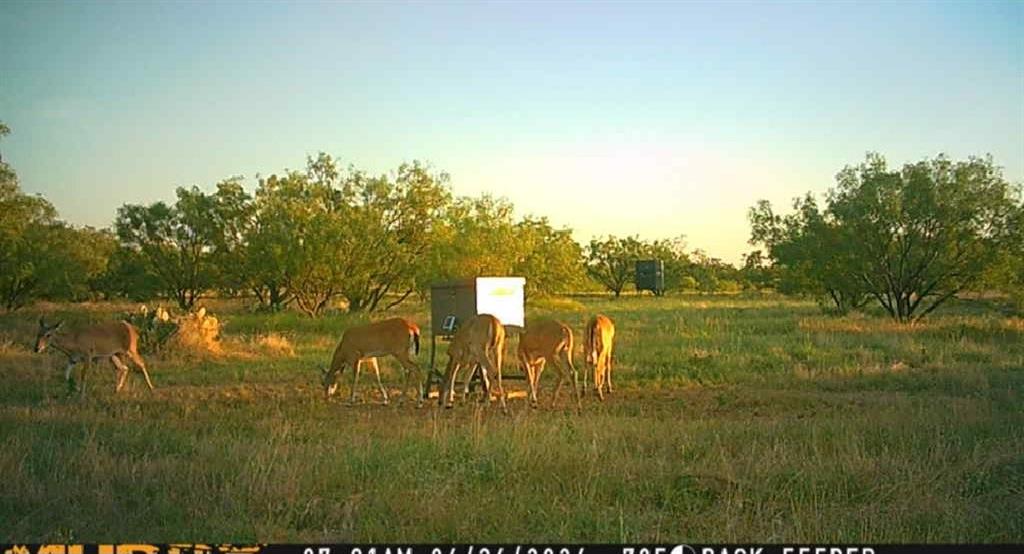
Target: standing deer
[(545, 341), (390, 337), (478, 342), (102, 340), (598, 339)]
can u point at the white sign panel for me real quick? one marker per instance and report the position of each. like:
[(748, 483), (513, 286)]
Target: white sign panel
[(501, 297)]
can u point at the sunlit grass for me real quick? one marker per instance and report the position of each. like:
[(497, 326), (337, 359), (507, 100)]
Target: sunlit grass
[(735, 419)]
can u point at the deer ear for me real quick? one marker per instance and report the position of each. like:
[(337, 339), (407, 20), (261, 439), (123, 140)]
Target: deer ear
[(58, 325)]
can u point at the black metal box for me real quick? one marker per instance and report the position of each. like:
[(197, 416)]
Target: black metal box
[(650, 275)]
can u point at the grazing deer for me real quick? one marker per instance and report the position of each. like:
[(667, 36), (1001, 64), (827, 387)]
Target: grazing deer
[(390, 337), (478, 342), (598, 339), (542, 342), (103, 340)]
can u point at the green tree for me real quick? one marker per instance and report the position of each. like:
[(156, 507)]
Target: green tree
[(477, 238), (25, 224), (176, 241), (89, 252), (127, 276), (712, 274), (928, 231), (271, 261), (810, 254), (911, 239), (231, 218), (757, 273), (612, 261), (299, 247), (549, 258), (323, 233), (41, 256), (391, 228)]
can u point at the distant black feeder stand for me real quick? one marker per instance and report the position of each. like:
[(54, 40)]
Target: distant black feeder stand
[(650, 275)]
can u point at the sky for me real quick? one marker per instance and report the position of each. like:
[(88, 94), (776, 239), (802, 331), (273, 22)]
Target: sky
[(651, 119)]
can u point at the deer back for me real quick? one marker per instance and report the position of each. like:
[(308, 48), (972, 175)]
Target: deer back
[(392, 336), (545, 339), (100, 339), (483, 333)]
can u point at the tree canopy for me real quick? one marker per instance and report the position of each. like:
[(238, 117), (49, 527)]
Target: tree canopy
[(909, 238)]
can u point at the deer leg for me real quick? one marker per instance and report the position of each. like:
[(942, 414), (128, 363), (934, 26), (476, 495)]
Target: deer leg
[(567, 358), (474, 371), (485, 388), (499, 361), (531, 380), (561, 381), (122, 372), (538, 369), (607, 369), (85, 373), (135, 357), (496, 365), (447, 396), (485, 381), (587, 357), (118, 384), (355, 380), (376, 371), (69, 377), (413, 371)]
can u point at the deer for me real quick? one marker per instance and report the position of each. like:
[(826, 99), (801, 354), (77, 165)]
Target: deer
[(598, 339), (108, 340), (365, 343), (542, 342), (478, 342)]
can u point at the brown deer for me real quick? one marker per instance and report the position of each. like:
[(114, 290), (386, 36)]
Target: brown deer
[(598, 340), (390, 337), (547, 341), (85, 344), (478, 342)]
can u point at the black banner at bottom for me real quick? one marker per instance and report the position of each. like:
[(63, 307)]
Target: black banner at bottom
[(398, 548)]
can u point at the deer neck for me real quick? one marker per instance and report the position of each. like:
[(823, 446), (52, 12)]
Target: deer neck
[(54, 344)]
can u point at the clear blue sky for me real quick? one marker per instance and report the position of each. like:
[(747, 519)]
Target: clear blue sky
[(659, 119)]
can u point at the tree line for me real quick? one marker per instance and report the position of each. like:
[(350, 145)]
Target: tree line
[(307, 239)]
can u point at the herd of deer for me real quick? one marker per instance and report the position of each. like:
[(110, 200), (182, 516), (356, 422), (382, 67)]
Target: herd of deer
[(478, 346)]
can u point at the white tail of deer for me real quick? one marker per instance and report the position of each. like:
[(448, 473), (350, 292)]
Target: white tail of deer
[(479, 341), (598, 340), (390, 337), (547, 341), (108, 340)]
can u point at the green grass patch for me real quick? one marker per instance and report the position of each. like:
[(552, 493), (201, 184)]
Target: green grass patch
[(736, 418)]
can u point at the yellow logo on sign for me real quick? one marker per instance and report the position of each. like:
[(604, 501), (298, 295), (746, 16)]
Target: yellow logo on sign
[(503, 292)]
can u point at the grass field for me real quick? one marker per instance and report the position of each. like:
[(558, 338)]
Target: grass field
[(735, 419)]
